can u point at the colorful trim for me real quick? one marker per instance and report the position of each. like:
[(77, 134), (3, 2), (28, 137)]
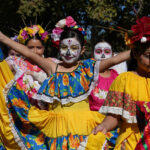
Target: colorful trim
[(120, 104)]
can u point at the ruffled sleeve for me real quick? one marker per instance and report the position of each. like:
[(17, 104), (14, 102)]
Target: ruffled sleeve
[(119, 101), (70, 86)]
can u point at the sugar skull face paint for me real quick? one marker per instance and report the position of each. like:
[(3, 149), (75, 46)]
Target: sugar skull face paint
[(70, 50), (102, 51)]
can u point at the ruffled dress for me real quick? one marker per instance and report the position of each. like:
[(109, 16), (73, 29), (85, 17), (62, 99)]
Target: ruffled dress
[(129, 97), (67, 123), (6, 135)]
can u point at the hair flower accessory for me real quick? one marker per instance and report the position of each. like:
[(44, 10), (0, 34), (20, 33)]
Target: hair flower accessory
[(61, 23), (70, 21), (59, 28), (143, 39), (29, 32), (141, 31)]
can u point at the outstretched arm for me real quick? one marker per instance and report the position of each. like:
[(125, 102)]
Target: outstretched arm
[(107, 63), (46, 64)]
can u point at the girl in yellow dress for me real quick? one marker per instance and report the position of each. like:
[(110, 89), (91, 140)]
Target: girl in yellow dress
[(128, 101), (69, 120)]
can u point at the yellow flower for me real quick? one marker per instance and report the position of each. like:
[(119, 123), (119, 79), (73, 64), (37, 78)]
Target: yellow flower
[(65, 93), (64, 145), (19, 103), (28, 145), (65, 80), (90, 74), (53, 145), (41, 30), (71, 90), (52, 89), (40, 139), (74, 142), (31, 32), (73, 74), (84, 82)]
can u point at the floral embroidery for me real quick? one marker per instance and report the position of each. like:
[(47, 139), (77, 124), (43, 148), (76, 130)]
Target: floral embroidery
[(121, 100), (65, 80)]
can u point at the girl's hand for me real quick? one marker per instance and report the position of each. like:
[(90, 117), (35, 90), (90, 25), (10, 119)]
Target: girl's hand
[(99, 128)]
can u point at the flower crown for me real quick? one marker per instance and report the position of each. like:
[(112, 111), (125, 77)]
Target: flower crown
[(59, 28), (29, 32), (139, 32), (15, 38)]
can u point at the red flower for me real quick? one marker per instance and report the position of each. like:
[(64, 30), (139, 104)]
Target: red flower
[(56, 44), (141, 29)]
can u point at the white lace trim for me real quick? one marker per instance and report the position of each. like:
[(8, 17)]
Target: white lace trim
[(15, 134), (103, 147), (69, 99), (118, 111), (83, 144)]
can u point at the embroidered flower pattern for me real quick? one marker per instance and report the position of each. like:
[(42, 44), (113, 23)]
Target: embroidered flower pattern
[(69, 84)]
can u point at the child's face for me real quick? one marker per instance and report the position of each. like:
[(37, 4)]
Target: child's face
[(102, 51), (143, 60), (36, 46), (13, 53), (70, 50)]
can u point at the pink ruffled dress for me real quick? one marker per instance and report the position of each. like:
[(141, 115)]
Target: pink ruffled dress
[(99, 93)]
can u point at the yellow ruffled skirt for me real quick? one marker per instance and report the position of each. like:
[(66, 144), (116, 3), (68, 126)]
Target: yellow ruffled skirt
[(5, 130), (128, 137), (73, 118)]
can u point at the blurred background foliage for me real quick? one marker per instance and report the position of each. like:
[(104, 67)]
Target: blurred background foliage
[(93, 15)]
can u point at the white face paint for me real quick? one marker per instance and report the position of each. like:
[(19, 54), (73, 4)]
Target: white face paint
[(70, 50), (102, 51)]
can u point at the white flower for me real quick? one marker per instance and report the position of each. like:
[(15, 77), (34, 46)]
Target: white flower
[(61, 23), (55, 37), (143, 39)]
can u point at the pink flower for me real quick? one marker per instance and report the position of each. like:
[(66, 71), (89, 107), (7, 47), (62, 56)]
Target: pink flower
[(70, 21), (43, 35), (24, 34), (57, 31)]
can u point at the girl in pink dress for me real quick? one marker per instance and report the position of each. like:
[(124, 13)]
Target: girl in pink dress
[(102, 50)]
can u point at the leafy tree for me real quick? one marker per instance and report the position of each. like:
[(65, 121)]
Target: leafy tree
[(92, 14), (112, 13)]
